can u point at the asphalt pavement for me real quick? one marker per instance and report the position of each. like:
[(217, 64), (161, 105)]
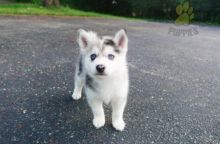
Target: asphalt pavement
[(174, 93)]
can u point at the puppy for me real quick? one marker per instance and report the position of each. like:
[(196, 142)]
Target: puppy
[(103, 73)]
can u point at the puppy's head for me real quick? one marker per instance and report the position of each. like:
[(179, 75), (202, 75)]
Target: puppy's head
[(103, 56)]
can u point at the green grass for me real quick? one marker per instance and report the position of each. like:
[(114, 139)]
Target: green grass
[(31, 9)]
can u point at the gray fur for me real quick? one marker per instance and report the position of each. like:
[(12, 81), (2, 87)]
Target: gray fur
[(90, 82), (80, 66), (110, 42)]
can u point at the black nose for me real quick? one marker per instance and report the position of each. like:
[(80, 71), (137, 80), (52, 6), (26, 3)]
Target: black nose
[(100, 68)]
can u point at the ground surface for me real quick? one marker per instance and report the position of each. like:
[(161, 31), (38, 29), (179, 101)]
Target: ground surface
[(174, 84)]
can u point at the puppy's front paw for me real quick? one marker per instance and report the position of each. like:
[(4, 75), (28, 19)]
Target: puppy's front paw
[(99, 122), (76, 95), (118, 125)]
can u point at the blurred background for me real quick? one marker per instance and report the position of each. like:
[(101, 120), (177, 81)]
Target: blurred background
[(204, 10)]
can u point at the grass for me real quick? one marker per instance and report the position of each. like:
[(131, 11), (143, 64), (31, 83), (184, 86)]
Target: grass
[(31, 9)]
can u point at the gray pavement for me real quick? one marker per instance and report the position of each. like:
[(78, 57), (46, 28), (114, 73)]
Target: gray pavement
[(174, 84)]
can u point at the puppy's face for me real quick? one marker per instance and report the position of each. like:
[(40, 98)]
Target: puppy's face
[(103, 56)]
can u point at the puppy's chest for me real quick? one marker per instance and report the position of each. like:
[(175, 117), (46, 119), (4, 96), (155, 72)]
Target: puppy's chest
[(107, 90)]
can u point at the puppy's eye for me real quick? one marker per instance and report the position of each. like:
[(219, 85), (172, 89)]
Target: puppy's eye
[(93, 56), (111, 57)]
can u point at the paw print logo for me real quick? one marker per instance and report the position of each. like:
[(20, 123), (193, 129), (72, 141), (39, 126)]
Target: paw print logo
[(185, 13)]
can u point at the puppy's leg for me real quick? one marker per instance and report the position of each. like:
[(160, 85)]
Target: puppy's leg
[(77, 93), (118, 106), (98, 112)]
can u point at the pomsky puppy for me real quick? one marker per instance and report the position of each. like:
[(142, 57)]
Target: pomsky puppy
[(102, 71)]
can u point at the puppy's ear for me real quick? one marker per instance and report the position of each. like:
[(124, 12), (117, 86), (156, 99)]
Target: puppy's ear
[(121, 40), (82, 39)]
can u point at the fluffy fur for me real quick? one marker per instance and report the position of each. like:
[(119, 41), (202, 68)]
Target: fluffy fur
[(102, 71)]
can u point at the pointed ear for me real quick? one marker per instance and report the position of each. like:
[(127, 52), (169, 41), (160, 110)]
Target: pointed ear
[(82, 39), (121, 40)]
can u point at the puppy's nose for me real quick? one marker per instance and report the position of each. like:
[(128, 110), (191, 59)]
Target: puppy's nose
[(100, 68)]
